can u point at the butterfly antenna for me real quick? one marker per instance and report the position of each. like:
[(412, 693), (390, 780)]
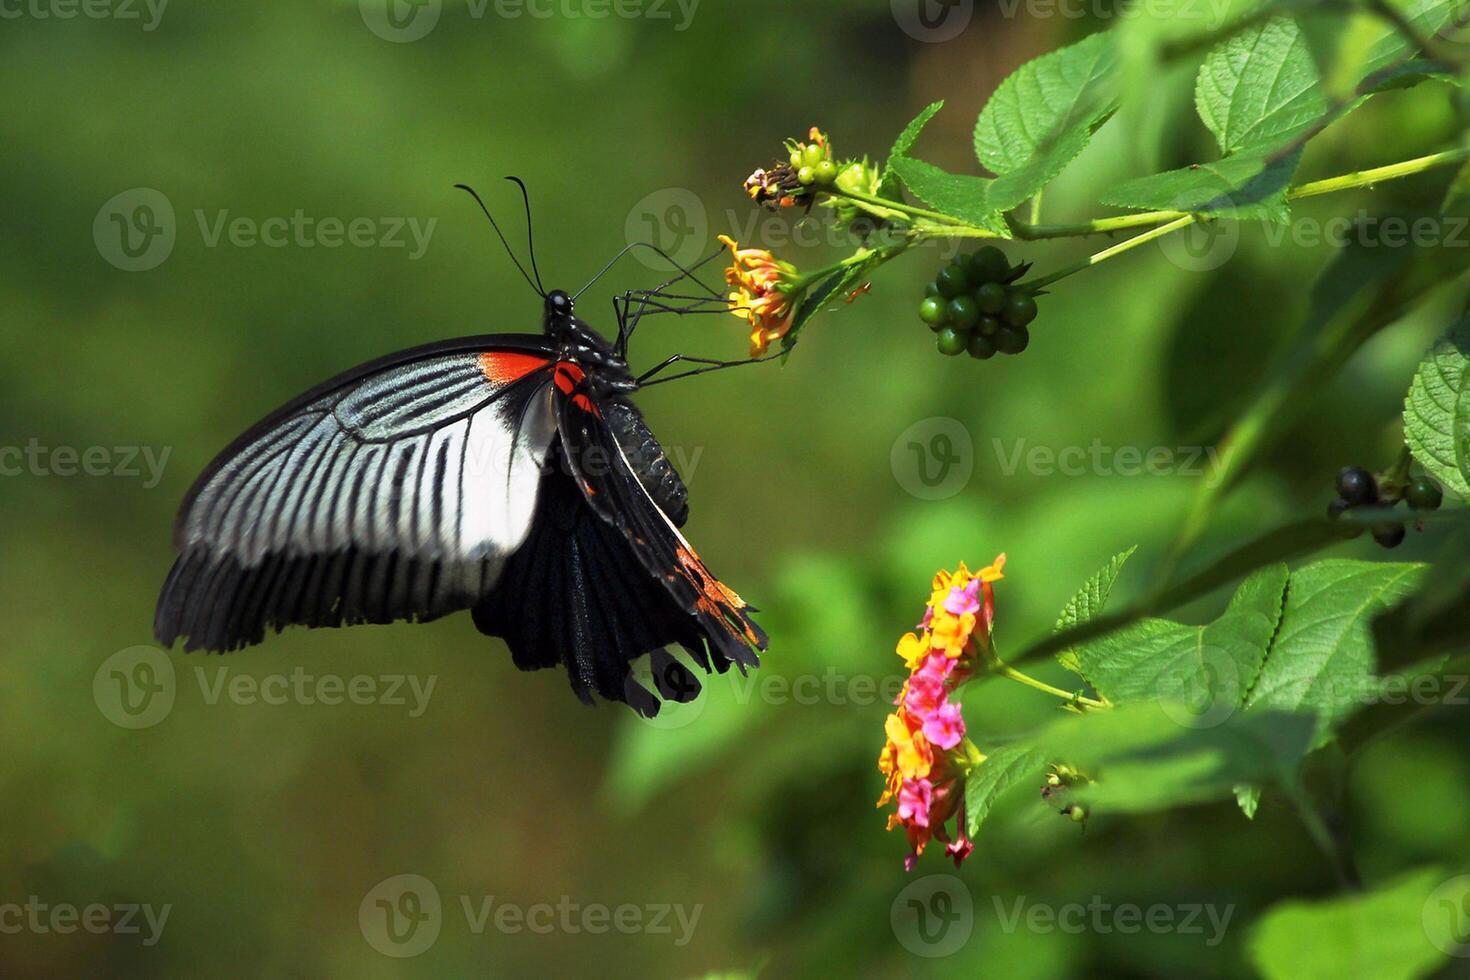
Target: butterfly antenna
[(471, 192), (530, 238)]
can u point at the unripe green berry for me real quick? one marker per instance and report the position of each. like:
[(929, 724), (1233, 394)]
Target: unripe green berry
[(988, 325), (1020, 309), (1077, 813), (989, 265), (963, 312), (931, 311), (992, 298), (952, 282), (1423, 493), (981, 348), (1012, 340), (796, 159), (807, 175), (952, 341), (812, 155), (826, 172)]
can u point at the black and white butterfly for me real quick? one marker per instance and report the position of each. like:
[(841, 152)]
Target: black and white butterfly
[(506, 474)]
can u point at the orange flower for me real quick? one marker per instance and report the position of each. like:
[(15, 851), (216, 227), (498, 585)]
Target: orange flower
[(764, 295)]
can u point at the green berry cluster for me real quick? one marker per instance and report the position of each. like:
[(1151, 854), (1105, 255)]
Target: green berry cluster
[(813, 164), (1356, 487), (973, 306)]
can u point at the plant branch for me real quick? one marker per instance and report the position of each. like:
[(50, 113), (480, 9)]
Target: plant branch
[(1117, 249)]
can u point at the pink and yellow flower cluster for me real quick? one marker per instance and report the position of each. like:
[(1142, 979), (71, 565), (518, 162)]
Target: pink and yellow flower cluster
[(926, 755)]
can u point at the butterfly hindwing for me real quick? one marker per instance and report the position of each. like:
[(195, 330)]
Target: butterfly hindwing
[(395, 491)]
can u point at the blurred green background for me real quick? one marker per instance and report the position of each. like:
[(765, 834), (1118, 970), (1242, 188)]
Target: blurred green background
[(266, 828)]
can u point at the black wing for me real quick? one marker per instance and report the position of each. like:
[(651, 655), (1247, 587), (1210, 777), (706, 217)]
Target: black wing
[(606, 577), (394, 491)]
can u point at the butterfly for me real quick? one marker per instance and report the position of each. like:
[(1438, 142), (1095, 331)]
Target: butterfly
[(510, 475)]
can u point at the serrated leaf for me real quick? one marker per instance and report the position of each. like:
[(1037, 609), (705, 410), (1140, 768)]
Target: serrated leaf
[(1005, 768), (1322, 659), (1211, 667), (890, 185), (1260, 87), (957, 195), (1142, 757), (1246, 186), (1043, 115), (1379, 933), (1089, 601), (1437, 410)]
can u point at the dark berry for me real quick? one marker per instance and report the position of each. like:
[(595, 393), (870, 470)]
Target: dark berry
[(952, 281), (952, 341), (1011, 340), (1357, 486), (989, 265), (1020, 309), (991, 297), (1389, 535), (963, 312), (988, 325), (931, 311), (981, 348), (1423, 493)]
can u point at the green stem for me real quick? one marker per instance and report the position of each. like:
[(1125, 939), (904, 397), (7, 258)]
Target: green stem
[(1117, 249), (1366, 178), (1097, 226), (1069, 696), (1332, 845), (902, 208)]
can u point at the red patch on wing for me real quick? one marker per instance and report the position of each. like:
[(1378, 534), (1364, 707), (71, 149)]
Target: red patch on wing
[(503, 367), (567, 376)]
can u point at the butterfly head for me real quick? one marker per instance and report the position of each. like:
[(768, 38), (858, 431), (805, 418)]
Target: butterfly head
[(577, 341)]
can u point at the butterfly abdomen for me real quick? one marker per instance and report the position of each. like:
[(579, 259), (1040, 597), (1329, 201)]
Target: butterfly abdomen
[(649, 461)]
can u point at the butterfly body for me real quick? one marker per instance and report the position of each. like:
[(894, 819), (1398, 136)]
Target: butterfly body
[(505, 474)]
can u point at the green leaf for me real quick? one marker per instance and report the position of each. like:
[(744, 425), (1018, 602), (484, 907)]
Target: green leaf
[(1322, 659), (1143, 757), (1379, 934), (1160, 660), (1247, 186), (1089, 601), (1437, 410), (820, 296), (1043, 115), (1005, 768), (1260, 88), (890, 186), (957, 195), (1249, 799)]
